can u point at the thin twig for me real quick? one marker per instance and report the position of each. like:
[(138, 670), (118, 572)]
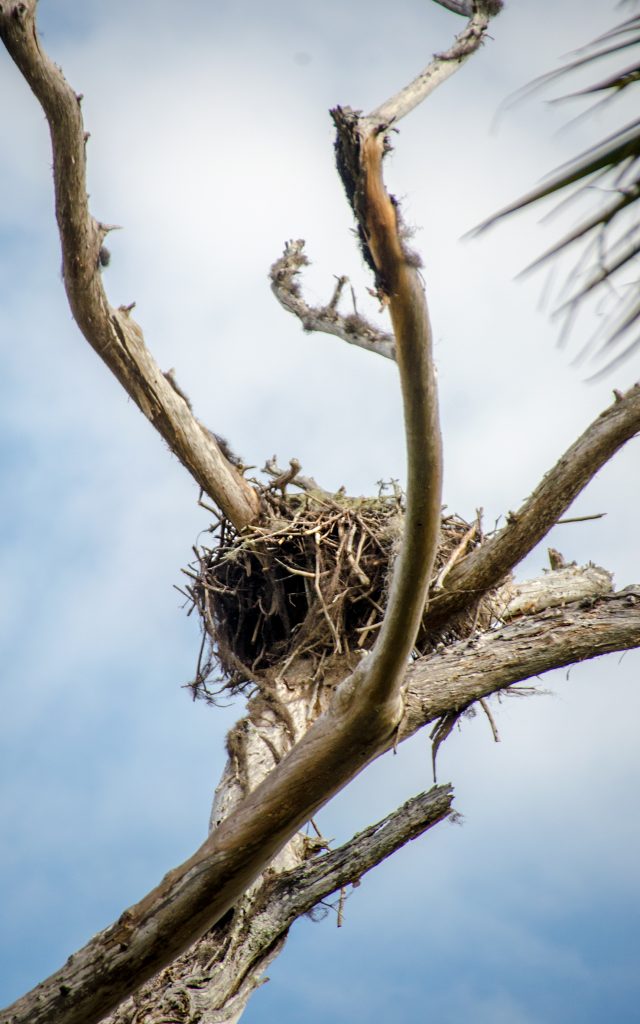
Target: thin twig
[(487, 710), (580, 519)]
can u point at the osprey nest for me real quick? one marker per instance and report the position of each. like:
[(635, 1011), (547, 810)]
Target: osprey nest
[(312, 583)]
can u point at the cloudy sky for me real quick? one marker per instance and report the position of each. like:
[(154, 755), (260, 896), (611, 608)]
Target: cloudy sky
[(211, 145)]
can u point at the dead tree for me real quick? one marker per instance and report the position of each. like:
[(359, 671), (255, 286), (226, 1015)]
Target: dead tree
[(348, 623)]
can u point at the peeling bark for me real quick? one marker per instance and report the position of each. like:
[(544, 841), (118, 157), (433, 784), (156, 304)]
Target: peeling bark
[(215, 979), (455, 677), (217, 976)]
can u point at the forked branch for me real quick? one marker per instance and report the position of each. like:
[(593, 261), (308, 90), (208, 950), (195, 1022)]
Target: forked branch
[(216, 977), (448, 682), (220, 972), (488, 564)]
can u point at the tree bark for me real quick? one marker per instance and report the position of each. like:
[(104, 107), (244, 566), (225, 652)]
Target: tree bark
[(488, 564), (444, 683), (214, 980), (279, 776)]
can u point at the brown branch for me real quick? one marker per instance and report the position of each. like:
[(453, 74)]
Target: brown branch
[(227, 980), (112, 333), (439, 694), (224, 967), (488, 564), (191, 898), (457, 676), (367, 706), (360, 148), (366, 710)]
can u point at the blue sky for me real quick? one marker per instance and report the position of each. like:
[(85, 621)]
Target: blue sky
[(211, 145)]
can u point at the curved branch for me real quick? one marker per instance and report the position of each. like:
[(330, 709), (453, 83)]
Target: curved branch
[(367, 706), (112, 333), (443, 65), (215, 979), (225, 966), (353, 328), (100, 975), (361, 150), (488, 564)]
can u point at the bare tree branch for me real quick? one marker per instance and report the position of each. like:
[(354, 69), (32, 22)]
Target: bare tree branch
[(217, 976), (214, 980), (486, 565), (443, 65), (455, 677), (366, 711), (305, 483), (307, 885), (441, 684), (352, 328), (112, 333), (360, 148), (565, 584)]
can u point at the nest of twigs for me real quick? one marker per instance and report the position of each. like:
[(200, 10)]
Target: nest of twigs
[(312, 583)]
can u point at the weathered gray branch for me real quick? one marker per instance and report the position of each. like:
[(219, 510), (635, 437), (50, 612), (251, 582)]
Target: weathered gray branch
[(302, 888), (456, 676), (486, 565), (448, 681), (112, 333), (214, 980), (564, 585), (238, 950), (352, 328), (443, 65)]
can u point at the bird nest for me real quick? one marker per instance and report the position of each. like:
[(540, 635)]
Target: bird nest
[(311, 583)]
